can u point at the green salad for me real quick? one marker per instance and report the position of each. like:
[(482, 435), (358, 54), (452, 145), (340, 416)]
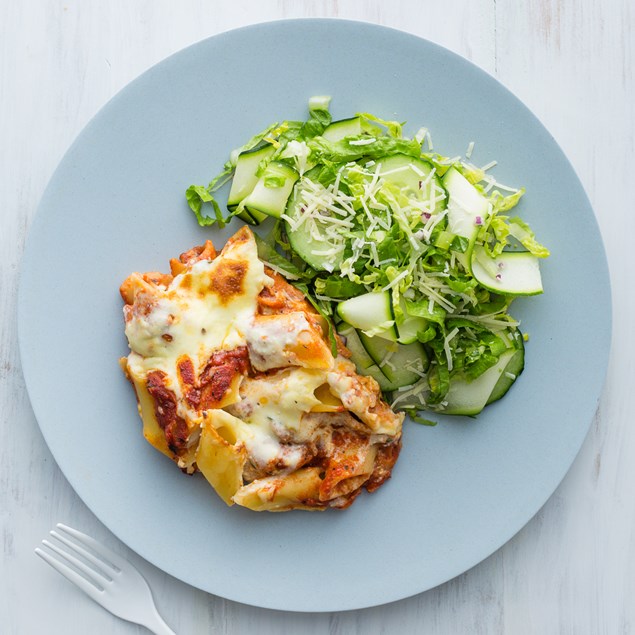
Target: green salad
[(411, 256)]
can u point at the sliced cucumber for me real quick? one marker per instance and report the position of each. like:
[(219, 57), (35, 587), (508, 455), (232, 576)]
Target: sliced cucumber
[(406, 364), (511, 273), (338, 130), (514, 368), (466, 205), (359, 355), (402, 364), (271, 192), (375, 372), (362, 360), (309, 238), (251, 216), (245, 177), (371, 312), (470, 397), (416, 178)]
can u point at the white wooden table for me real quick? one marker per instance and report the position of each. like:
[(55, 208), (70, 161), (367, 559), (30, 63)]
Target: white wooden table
[(572, 569)]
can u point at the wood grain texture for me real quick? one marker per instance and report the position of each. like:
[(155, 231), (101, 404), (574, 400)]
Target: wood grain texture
[(572, 568)]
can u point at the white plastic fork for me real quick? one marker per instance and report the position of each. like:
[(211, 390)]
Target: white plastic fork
[(111, 581)]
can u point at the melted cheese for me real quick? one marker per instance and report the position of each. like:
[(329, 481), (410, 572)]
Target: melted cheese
[(287, 339), (196, 317), (272, 406), (358, 397), (270, 339)]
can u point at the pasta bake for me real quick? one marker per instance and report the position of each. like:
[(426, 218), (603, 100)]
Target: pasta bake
[(235, 377)]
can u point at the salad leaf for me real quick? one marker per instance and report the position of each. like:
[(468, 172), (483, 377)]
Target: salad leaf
[(422, 308), (340, 288), (319, 118), (268, 254), (412, 413), (523, 233), (427, 334), (394, 128), (196, 196), (438, 375), (505, 203)]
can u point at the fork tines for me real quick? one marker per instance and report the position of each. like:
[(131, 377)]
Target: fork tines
[(104, 562)]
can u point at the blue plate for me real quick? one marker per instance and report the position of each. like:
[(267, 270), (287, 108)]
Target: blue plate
[(116, 205)]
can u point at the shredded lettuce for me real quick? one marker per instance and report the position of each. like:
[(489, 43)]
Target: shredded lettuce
[(319, 118), (338, 288), (412, 413), (438, 373), (505, 203), (496, 235), (393, 128), (421, 308), (268, 254), (523, 233), (196, 196)]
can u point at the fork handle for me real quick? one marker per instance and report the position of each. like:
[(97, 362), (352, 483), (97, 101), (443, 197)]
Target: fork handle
[(157, 625)]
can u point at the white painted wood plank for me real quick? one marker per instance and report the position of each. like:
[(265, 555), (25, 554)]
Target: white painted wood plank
[(572, 64), (572, 569)]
